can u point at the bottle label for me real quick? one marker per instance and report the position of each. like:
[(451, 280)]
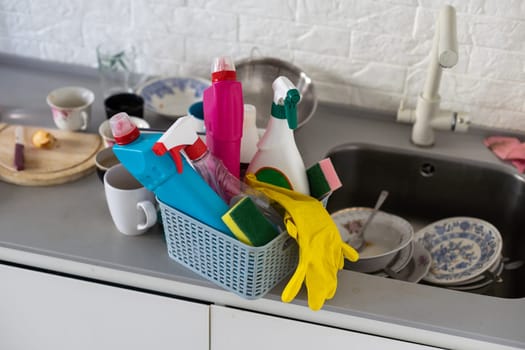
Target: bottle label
[(273, 176)]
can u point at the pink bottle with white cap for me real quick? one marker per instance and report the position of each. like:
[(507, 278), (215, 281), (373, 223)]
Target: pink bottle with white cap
[(223, 114)]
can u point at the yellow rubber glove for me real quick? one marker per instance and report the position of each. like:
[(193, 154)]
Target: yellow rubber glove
[(321, 249)]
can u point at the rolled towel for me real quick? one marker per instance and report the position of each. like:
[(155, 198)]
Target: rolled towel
[(508, 148)]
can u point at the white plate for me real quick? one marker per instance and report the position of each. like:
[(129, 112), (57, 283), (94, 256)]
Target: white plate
[(493, 268), (171, 96), (461, 248), (417, 266), (483, 282), (400, 261), (403, 257)]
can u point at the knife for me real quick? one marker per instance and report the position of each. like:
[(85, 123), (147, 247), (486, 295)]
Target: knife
[(19, 148)]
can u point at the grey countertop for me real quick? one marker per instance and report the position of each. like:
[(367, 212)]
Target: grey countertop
[(68, 229)]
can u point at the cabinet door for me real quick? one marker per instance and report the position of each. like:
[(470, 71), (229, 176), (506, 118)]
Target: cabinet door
[(233, 329), (45, 311)]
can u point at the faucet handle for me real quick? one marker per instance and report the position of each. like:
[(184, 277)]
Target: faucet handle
[(450, 120), (405, 115)]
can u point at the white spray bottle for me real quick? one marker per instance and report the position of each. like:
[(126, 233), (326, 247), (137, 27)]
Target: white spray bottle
[(278, 160)]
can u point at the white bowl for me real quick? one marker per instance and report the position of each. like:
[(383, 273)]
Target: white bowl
[(105, 130), (384, 237), (104, 160)]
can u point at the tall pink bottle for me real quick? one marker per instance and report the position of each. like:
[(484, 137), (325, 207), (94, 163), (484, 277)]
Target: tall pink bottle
[(223, 114)]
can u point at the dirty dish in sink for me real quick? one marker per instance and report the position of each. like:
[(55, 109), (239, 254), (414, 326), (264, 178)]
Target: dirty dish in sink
[(400, 261), (358, 240), (171, 96), (417, 267), (487, 279), (490, 273), (461, 248), (386, 235)]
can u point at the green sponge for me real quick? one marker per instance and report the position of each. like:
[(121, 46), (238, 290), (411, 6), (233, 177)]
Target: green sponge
[(248, 224), (322, 178)]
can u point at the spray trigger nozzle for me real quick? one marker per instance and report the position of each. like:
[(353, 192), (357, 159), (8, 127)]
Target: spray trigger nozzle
[(290, 107), (178, 136), (160, 149)]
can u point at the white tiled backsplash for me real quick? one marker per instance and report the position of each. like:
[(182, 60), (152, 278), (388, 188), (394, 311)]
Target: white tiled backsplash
[(363, 52)]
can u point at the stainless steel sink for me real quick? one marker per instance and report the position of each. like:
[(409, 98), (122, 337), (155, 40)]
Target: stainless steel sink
[(425, 188)]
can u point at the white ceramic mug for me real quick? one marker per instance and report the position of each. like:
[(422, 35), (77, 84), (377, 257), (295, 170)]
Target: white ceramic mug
[(71, 107), (132, 207)]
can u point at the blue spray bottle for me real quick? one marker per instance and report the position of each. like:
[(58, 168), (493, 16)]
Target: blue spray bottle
[(173, 180)]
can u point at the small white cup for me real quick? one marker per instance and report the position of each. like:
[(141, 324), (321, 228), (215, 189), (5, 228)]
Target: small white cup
[(132, 206), (71, 107)]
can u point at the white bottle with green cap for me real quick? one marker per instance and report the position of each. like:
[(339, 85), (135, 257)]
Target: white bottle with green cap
[(278, 160)]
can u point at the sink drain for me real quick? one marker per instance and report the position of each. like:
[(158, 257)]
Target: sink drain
[(427, 169)]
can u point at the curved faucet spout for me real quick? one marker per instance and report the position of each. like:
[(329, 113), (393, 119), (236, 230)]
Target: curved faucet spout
[(448, 39), (444, 54)]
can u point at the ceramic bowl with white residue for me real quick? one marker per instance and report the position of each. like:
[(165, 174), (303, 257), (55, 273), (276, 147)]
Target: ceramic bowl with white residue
[(384, 237)]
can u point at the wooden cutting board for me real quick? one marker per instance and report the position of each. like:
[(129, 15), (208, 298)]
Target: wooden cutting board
[(72, 157)]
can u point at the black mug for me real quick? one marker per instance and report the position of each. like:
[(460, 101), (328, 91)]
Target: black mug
[(127, 102)]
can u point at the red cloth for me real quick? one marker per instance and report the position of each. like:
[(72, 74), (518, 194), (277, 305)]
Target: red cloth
[(508, 148)]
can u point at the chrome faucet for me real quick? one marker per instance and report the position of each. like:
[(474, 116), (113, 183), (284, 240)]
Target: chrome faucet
[(427, 115)]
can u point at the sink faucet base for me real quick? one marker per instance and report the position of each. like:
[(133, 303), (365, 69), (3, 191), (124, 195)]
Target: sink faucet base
[(422, 132)]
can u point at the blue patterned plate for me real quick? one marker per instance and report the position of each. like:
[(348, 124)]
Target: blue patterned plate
[(171, 97), (461, 248)]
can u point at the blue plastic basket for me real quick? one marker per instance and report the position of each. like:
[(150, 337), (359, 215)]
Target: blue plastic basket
[(249, 272)]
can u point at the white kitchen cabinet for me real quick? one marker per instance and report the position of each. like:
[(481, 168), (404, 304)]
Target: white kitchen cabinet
[(233, 329), (49, 312)]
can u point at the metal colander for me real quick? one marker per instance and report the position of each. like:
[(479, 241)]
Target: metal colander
[(257, 76)]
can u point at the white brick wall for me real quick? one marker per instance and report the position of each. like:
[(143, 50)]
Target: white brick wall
[(364, 52)]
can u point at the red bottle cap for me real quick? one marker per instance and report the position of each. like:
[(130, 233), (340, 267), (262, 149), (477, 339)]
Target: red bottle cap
[(196, 150), (123, 129), (223, 68), (223, 75)]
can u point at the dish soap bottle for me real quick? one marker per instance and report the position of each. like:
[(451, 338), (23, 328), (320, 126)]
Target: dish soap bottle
[(223, 114), (278, 160)]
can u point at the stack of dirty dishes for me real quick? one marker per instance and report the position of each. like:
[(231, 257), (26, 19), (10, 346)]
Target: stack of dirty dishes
[(410, 265), (388, 250), (465, 253)]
